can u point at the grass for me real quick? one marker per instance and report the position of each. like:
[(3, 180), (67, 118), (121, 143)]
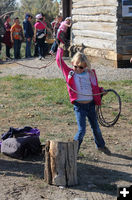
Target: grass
[(21, 93), (123, 88), (40, 102)]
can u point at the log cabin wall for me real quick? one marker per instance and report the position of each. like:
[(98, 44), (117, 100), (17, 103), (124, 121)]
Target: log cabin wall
[(100, 26), (95, 25)]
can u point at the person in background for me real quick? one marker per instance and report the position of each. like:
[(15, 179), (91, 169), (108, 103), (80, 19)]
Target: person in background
[(1, 62), (28, 33), (16, 37), (55, 25), (2, 32), (36, 44), (40, 34), (36, 54), (83, 80), (7, 37), (62, 31), (45, 50)]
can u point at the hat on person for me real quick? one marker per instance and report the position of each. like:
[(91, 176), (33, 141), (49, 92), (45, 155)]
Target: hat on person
[(68, 18), (39, 16), (27, 16)]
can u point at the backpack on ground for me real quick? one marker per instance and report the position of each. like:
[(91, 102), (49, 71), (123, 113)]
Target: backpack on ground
[(19, 143)]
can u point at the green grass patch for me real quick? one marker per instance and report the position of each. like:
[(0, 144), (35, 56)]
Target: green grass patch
[(123, 88), (53, 91), (34, 101)]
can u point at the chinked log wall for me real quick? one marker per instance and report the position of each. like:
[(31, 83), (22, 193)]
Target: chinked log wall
[(97, 24)]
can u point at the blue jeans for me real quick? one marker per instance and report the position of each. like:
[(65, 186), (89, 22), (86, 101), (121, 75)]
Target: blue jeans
[(54, 47), (81, 112), (17, 47), (28, 48)]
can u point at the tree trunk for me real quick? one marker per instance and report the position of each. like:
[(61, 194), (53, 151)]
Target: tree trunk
[(61, 163)]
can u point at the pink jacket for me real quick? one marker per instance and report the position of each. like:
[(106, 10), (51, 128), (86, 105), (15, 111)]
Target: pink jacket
[(63, 26), (69, 76)]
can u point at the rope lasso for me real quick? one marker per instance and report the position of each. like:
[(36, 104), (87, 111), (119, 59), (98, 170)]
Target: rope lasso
[(100, 116), (39, 68)]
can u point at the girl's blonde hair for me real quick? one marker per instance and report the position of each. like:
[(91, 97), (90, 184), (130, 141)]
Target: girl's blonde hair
[(81, 58)]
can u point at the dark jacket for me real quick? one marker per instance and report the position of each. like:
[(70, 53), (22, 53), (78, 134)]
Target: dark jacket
[(28, 30)]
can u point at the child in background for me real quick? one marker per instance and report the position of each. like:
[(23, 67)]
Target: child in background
[(1, 62), (83, 80), (7, 38), (55, 25), (28, 33), (62, 31), (16, 37)]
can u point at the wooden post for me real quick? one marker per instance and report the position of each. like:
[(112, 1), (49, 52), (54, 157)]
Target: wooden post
[(61, 163)]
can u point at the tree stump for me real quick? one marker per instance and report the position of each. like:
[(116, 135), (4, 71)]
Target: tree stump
[(61, 163)]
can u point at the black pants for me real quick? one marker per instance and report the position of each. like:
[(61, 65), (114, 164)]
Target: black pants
[(41, 44), (0, 42), (7, 51)]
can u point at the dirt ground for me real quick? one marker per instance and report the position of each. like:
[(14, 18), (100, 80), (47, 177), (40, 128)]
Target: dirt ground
[(99, 175)]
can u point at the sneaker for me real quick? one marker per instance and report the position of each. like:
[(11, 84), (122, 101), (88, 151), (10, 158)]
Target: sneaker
[(40, 58), (52, 53), (105, 150)]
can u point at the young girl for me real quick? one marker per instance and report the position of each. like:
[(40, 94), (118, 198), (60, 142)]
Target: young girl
[(62, 31), (82, 84)]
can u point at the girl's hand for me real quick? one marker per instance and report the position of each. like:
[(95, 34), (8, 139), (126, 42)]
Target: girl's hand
[(102, 91), (105, 92)]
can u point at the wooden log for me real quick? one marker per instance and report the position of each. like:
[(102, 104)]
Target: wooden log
[(106, 54), (102, 10), (95, 34), (94, 43), (61, 163), (80, 3), (102, 26), (94, 18)]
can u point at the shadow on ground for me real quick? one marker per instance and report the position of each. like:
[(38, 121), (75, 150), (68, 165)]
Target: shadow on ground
[(91, 178)]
